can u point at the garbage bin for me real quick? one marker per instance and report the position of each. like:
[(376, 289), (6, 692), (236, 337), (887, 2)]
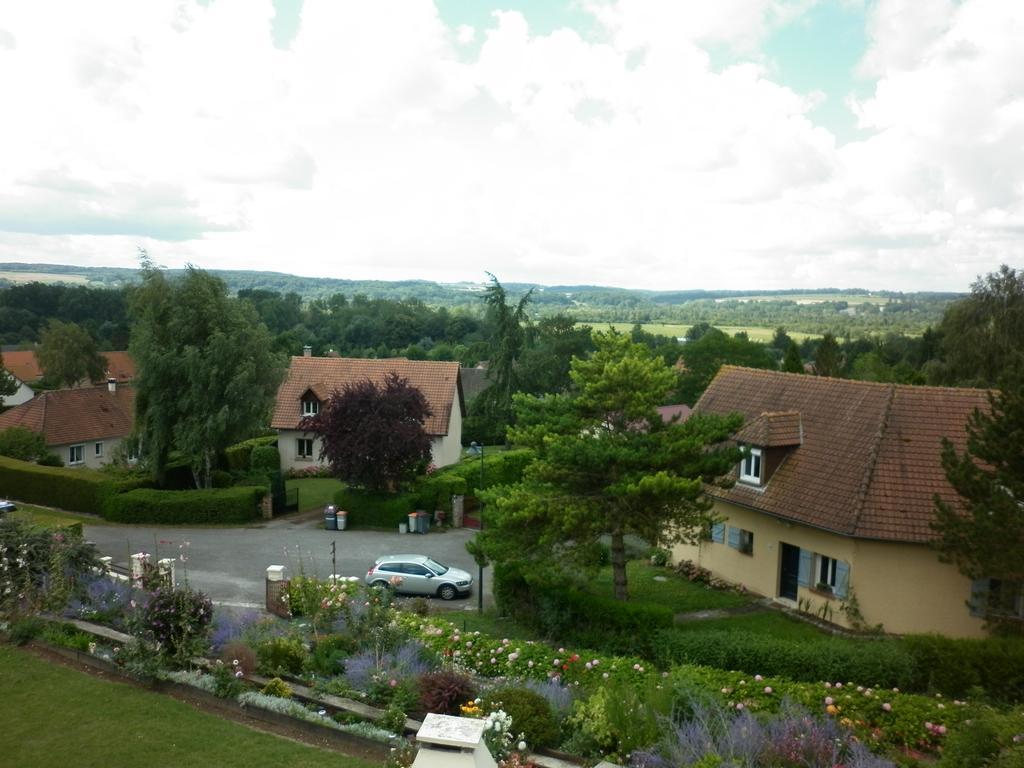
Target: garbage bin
[(422, 522), (342, 519), (412, 523), (330, 518)]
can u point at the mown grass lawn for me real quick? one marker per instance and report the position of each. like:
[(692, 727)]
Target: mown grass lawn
[(52, 518), (54, 717), (315, 492), (674, 592)]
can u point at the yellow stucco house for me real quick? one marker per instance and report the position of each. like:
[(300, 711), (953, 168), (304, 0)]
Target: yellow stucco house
[(831, 510)]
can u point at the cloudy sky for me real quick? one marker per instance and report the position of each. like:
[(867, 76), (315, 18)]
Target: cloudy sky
[(638, 143)]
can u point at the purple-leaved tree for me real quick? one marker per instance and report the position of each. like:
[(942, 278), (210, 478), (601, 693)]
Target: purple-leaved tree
[(373, 435)]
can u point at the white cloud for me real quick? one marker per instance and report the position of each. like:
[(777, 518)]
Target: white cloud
[(377, 146)]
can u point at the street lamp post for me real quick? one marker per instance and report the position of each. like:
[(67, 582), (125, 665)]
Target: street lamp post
[(475, 449)]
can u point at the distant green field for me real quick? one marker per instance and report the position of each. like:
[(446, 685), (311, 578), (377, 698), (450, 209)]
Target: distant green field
[(813, 298), (679, 330), (43, 277)]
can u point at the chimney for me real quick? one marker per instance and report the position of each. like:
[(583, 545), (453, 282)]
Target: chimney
[(111, 384), (307, 351)]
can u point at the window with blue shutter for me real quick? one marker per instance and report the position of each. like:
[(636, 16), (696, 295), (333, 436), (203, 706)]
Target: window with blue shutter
[(734, 537), (718, 533), (979, 597), (806, 566), (842, 584)]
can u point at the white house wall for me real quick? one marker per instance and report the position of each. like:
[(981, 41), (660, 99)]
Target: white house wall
[(23, 395), (91, 460), (444, 450)]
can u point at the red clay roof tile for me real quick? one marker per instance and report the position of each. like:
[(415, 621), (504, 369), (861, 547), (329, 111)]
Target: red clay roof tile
[(869, 462), (438, 381), (68, 416)]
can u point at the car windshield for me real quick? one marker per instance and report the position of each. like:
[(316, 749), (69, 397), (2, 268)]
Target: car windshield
[(435, 566)]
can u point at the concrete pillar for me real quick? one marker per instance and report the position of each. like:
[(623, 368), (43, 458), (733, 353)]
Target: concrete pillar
[(452, 742), (139, 561), (276, 588), (165, 567), (267, 506), (458, 510), (106, 563)]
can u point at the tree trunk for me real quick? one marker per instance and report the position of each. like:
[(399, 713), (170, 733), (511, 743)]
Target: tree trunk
[(619, 564)]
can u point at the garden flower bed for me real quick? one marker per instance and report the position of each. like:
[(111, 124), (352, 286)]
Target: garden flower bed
[(349, 664)]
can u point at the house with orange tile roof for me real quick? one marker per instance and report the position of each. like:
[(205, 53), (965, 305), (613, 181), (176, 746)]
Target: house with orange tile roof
[(311, 381), (833, 505), (84, 426), (24, 366), (24, 392)]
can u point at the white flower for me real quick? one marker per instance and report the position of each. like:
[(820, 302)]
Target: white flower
[(522, 746)]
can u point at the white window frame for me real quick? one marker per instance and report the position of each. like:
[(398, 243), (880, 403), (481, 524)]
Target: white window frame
[(755, 459), (98, 450), (746, 542), (825, 572), (132, 451), (301, 445), (76, 449), (310, 407)]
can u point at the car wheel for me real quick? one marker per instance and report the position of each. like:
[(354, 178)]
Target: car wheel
[(446, 592), (380, 584)]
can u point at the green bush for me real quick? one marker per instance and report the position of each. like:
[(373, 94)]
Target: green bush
[(66, 635), (369, 509), (329, 654), (994, 739), (22, 444), (277, 687), (280, 656), (25, 630), (873, 662), (956, 667), (500, 468), (435, 491), (238, 456), (219, 478), (558, 610), (50, 459), (265, 458), (77, 490), (531, 714), (219, 505)]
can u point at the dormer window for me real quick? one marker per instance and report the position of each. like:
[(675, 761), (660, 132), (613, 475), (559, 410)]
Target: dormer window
[(750, 467), (310, 407)]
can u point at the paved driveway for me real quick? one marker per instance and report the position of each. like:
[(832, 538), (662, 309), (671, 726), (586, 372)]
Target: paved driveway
[(229, 564)]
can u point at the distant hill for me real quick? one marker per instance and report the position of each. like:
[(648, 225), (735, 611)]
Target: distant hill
[(814, 310)]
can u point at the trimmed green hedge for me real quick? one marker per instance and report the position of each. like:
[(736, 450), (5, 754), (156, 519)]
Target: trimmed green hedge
[(500, 468), (436, 491), (955, 667), (219, 505), (76, 490), (886, 663), (239, 455), (367, 509)]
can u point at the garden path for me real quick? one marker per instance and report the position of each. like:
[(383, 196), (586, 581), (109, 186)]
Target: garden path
[(758, 606)]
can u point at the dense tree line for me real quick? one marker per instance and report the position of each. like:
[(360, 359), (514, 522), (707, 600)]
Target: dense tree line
[(966, 342), (27, 309)]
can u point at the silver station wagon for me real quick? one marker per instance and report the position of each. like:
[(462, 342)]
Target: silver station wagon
[(419, 575)]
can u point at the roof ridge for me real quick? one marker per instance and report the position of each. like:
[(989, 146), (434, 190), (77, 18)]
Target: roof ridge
[(872, 462)]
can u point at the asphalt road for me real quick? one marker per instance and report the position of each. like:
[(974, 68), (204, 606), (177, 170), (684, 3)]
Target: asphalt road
[(229, 564)]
